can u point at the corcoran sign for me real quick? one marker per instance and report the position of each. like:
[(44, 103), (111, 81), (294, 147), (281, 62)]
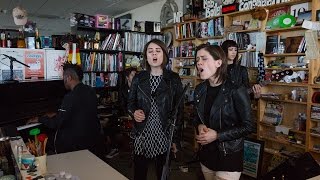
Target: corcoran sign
[(251, 4)]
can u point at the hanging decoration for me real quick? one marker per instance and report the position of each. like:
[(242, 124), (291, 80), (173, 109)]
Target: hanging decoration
[(19, 16)]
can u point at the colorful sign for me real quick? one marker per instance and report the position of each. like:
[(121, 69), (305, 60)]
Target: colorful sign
[(35, 59)]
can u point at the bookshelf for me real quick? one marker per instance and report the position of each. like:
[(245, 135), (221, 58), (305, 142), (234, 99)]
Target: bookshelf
[(104, 57), (305, 138)]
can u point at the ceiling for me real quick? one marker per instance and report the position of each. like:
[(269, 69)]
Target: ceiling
[(52, 16)]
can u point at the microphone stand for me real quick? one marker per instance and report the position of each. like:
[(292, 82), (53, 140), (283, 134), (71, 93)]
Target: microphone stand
[(11, 80), (165, 169)]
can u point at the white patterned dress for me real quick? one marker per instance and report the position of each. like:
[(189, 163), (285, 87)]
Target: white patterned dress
[(152, 141)]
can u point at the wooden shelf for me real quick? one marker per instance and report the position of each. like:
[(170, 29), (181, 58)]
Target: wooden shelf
[(315, 120), (315, 135), (314, 151), (185, 22), (209, 18), (274, 152), (289, 84), (100, 51), (284, 54), (245, 50), (297, 131), (180, 67), (294, 28), (186, 39), (190, 57), (207, 38), (285, 101), (246, 30), (302, 146), (283, 69)]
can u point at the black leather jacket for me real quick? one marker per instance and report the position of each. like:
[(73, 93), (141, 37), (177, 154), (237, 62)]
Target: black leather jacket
[(238, 75), (231, 112), (167, 94)]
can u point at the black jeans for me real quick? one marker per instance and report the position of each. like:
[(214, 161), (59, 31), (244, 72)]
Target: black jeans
[(141, 164)]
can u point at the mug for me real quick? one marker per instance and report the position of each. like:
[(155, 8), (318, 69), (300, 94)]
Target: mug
[(41, 163), (26, 161)]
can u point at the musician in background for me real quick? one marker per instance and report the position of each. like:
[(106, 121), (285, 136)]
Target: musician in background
[(112, 131), (76, 123), (236, 73)]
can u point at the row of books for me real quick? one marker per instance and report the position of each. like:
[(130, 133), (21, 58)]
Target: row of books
[(184, 50), (135, 41), (187, 30), (242, 39), (100, 80), (295, 44), (101, 61), (211, 28), (249, 59), (111, 42), (315, 112)]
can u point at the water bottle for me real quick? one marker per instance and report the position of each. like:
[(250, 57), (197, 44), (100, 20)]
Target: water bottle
[(281, 48)]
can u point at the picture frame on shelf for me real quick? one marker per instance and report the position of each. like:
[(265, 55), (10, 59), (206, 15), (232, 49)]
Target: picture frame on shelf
[(252, 157), (318, 15)]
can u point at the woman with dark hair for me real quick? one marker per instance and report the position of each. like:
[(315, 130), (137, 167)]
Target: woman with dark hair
[(152, 98), (236, 73), (222, 116)]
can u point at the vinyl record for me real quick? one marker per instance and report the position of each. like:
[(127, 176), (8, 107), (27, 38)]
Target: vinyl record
[(287, 20)]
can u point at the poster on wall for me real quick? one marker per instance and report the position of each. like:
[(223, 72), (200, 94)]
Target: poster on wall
[(252, 158), (35, 59), (18, 69), (54, 62)]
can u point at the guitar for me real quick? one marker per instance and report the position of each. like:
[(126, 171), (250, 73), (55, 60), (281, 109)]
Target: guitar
[(278, 76), (262, 84)]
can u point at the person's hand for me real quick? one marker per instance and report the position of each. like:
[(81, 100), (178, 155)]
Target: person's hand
[(206, 135), (256, 90), (139, 115), (202, 129), (33, 120)]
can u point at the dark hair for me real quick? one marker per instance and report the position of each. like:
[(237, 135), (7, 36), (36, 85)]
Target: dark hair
[(218, 54), (129, 70), (230, 43), (164, 49), (74, 70)]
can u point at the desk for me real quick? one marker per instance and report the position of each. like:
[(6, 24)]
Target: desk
[(83, 164)]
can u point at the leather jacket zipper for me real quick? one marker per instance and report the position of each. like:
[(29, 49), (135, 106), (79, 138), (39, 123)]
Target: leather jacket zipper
[(224, 149), (144, 94)]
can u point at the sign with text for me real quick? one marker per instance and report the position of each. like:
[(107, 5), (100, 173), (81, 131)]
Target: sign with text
[(35, 59), (251, 4), (212, 8)]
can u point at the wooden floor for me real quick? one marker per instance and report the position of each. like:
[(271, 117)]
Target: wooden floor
[(123, 163)]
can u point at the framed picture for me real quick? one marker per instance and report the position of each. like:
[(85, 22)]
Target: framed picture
[(318, 15), (252, 158)]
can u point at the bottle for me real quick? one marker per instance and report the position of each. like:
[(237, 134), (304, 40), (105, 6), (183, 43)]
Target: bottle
[(37, 41), (21, 42), (9, 42), (281, 48), (96, 41), (3, 39)]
